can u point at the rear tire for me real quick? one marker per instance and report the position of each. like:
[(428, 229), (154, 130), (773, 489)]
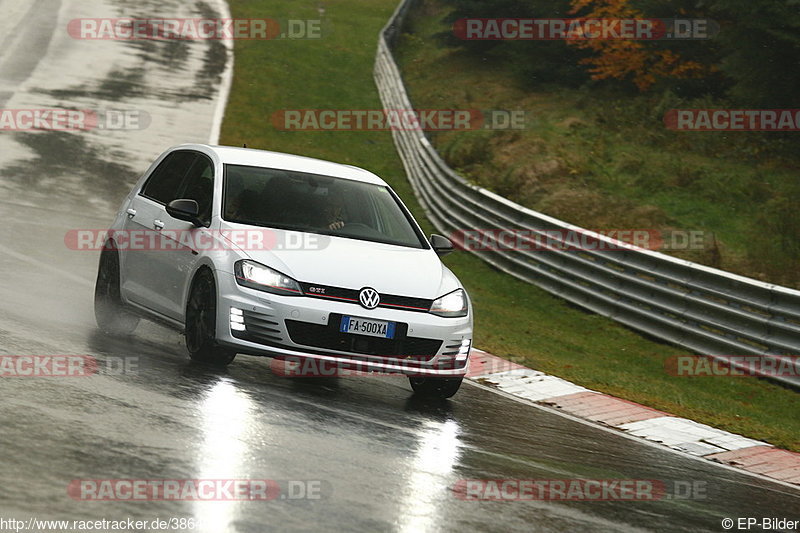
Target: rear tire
[(201, 323), (436, 388), (109, 312)]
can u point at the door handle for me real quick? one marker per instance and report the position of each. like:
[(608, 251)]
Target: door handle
[(158, 225), (131, 212)]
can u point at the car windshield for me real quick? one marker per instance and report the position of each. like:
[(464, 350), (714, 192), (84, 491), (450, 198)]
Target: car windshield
[(314, 203)]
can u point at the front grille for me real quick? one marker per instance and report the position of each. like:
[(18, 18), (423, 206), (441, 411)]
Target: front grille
[(389, 301), (330, 338)]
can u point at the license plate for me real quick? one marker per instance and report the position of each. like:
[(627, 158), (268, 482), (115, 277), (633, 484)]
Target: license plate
[(366, 326)]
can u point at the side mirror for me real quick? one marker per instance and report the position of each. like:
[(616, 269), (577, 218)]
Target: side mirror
[(185, 209), (441, 245)]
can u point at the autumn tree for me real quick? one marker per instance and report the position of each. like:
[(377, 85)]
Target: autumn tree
[(642, 62)]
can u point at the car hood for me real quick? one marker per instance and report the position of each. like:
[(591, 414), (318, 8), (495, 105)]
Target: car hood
[(354, 264)]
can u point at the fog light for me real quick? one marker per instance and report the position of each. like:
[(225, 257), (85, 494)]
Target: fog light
[(237, 319), (463, 352)]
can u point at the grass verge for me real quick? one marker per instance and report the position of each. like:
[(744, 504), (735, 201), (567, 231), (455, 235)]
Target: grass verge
[(514, 320)]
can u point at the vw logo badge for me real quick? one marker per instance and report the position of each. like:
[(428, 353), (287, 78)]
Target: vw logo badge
[(369, 298)]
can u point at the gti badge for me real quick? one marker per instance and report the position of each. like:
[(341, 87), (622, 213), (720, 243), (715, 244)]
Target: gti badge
[(369, 298)]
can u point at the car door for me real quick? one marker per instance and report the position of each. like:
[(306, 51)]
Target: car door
[(140, 245), (177, 261)]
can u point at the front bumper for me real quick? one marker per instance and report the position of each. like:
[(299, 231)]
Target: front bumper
[(306, 327)]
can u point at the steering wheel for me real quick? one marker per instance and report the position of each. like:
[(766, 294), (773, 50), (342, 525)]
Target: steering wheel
[(354, 225)]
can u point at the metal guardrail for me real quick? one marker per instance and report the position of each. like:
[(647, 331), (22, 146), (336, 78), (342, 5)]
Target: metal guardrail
[(705, 310)]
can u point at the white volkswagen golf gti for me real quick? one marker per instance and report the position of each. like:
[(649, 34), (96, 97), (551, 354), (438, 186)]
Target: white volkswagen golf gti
[(263, 253)]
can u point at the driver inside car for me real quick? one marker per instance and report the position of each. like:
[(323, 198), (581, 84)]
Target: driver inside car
[(335, 212)]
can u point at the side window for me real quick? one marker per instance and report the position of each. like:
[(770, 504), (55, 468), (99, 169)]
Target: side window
[(199, 186), (162, 185)]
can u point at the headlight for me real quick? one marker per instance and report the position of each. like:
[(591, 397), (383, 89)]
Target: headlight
[(262, 278), (453, 304)]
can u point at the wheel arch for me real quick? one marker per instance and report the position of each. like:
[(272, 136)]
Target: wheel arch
[(190, 287), (201, 268)]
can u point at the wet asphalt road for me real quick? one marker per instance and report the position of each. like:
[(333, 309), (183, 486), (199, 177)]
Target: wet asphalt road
[(385, 462)]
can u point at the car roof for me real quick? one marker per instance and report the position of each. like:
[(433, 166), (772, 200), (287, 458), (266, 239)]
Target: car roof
[(230, 155)]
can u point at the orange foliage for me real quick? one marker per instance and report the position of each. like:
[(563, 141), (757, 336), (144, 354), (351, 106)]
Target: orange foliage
[(637, 60)]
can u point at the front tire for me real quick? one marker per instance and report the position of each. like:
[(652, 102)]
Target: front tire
[(201, 323), (109, 312), (436, 388)]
